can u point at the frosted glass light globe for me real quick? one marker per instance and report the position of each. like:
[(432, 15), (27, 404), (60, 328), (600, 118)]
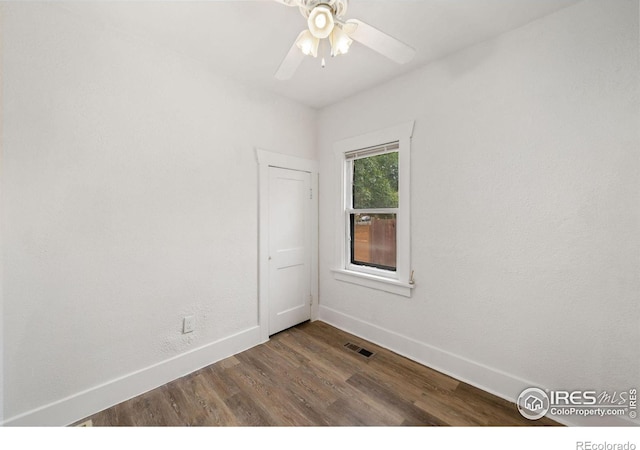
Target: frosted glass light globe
[(320, 21)]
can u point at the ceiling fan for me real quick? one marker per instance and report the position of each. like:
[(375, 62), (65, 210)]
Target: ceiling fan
[(325, 19)]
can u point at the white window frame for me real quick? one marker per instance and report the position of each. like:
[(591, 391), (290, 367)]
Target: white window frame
[(399, 281)]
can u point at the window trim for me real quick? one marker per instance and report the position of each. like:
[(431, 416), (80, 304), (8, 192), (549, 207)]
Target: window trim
[(397, 282)]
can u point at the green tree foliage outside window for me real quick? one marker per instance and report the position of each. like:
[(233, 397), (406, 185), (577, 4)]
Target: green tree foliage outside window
[(375, 181)]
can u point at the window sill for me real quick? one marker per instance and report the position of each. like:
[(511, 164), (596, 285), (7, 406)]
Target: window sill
[(374, 282)]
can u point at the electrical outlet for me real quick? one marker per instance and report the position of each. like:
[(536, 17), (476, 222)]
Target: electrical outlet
[(188, 324)]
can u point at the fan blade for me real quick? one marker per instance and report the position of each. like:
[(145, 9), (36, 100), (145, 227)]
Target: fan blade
[(380, 42), (287, 2), (348, 28), (290, 62)]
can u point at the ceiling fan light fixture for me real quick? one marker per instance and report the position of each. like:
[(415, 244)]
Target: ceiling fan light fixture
[(326, 19), (320, 21), (340, 42), (308, 43)]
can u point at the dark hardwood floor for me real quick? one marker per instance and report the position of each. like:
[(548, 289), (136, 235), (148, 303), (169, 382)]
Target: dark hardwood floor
[(306, 376)]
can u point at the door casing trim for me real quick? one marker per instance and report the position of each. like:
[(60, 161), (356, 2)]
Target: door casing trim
[(268, 159)]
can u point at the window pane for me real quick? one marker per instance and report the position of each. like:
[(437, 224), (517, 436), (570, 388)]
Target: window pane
[(375, 181), (373, 240)]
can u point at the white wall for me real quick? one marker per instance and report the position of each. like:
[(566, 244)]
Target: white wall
[(129, 199), (525, 207)]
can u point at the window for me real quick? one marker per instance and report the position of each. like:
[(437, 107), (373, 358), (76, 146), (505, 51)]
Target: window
[(372, 207), (373, 235)]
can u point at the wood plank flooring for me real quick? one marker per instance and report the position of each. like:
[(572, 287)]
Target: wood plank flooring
[(305, 376)]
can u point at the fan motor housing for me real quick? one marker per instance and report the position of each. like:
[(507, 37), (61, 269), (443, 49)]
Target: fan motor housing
[(339, 7)]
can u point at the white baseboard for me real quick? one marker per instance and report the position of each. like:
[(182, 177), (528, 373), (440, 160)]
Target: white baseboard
[(488, 379), (83, 404)]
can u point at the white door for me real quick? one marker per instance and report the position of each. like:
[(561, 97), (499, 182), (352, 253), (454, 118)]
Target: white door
[(289, 248)]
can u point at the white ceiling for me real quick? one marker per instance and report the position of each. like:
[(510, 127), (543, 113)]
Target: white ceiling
[(247, 40)]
